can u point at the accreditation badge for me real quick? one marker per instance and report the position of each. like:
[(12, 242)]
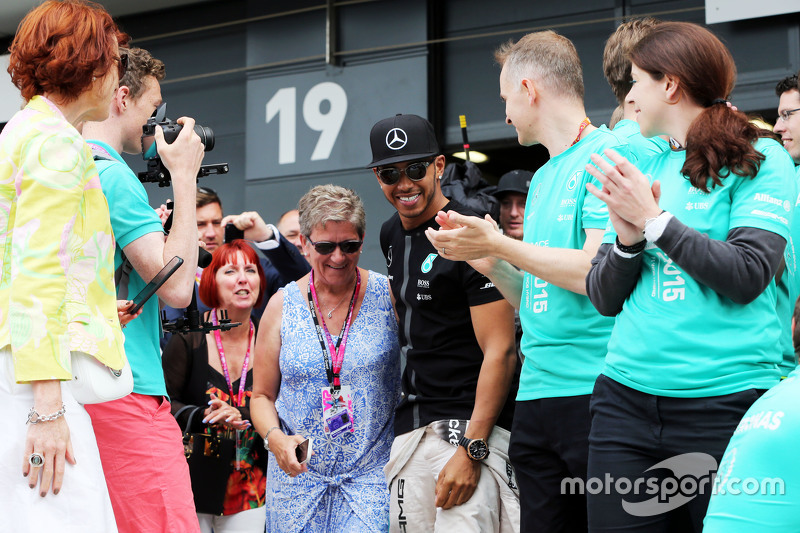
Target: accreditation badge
[(337, 411)]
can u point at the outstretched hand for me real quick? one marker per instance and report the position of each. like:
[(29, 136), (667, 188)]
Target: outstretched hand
[(462, 238)]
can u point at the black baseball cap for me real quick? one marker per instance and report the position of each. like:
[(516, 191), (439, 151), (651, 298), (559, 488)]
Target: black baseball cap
[(514, 181), (402, 138)]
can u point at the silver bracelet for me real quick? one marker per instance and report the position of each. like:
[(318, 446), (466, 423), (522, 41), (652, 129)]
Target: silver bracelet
[(35, 418)]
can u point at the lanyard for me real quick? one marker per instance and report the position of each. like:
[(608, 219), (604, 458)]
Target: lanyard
[(239, 402), (582, 127), (336, 353)]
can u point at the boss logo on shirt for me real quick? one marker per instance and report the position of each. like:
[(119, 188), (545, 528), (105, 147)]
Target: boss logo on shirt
[(568, 202), (427, 265), (423, 283)]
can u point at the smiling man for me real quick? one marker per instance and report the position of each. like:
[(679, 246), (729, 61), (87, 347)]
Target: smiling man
[(788, 127), (564, 338), (457, 343), (788, 123)]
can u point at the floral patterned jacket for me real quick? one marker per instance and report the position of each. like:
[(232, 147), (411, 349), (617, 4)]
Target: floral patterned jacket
[(56, 248)]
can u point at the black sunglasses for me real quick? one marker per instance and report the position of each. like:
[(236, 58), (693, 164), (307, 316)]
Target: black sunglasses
[(414, 171), (327, 247), (122, 64)]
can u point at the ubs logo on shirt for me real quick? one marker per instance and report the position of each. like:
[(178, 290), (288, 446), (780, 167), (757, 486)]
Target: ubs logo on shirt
[(427, 265)]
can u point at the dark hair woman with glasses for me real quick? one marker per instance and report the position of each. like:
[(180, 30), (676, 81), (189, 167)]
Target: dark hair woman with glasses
[(689, 272), (327, 370), (56, 268)]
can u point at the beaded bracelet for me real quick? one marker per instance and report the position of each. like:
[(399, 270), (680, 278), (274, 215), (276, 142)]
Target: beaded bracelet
[(35, 418), (633, 249)]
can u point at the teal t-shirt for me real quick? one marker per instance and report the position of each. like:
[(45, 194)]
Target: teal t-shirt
[(131, 218), (789, 288), (676, 337), (642, 146), (757, 487), (563, 336)]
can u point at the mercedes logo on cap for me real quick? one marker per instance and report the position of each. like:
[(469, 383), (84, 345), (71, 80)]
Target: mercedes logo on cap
[(396, 139)]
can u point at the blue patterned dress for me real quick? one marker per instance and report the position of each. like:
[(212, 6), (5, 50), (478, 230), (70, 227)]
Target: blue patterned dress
[(345, 488)]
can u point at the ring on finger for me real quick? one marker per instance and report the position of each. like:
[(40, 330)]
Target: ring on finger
[(36, 459)]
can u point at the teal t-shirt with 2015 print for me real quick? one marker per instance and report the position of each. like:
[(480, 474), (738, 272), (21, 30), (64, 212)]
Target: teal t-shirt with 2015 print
[(564, 337), (676, 337)]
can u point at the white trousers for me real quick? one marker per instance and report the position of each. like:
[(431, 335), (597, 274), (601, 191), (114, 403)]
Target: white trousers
[(83, 504), (250, 521), (412, 493)]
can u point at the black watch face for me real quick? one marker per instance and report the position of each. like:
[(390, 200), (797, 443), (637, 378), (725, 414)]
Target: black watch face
[(478, 449)]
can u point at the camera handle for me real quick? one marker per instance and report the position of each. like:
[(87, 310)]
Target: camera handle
[(157, 173)]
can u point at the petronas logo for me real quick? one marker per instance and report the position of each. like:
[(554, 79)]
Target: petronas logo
[(427, 265)]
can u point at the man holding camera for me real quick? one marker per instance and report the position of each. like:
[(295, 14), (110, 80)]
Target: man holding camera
[(139, 439)]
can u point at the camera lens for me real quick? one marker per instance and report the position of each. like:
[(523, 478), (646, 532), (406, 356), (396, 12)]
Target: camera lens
[(206, 136)]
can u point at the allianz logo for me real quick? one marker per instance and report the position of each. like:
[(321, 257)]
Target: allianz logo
[(761, 197)]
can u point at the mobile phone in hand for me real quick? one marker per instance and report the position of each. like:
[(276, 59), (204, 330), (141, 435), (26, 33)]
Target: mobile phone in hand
[(155, 284), (303, 451), (232, 233)]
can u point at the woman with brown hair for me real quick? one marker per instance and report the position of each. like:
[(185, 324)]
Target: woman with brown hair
[(688, 270), (56, 268)]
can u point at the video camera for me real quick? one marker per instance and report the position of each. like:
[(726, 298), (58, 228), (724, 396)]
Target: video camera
[(156, 171)]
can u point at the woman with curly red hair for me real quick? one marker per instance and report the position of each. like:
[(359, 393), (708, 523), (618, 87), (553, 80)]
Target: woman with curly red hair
[(56, 268), (688, 269), (209, 379)]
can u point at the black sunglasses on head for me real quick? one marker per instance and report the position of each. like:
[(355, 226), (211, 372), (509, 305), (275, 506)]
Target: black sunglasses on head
[(122, 64), (327, 247), (414, 171)]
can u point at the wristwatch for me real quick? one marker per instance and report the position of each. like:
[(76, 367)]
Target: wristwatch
[(477, 449)]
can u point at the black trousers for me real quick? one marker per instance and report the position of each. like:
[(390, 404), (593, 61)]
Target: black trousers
[(652, 459), (550, 444)]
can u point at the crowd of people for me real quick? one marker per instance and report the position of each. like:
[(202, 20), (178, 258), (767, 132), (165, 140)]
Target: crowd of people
[(626, 326)]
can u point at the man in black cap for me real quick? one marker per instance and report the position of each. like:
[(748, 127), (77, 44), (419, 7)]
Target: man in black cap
[(512, 192), (457, 341)]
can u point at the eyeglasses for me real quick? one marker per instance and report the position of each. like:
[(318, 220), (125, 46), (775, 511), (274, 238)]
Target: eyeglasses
[(327, 247), (122, 64), (414, 171), (784, 115)]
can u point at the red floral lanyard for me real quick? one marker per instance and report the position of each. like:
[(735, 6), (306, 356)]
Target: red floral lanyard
[(582, 127)]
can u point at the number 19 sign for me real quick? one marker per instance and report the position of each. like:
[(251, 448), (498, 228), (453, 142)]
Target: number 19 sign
[(304, 123), (283, 106)]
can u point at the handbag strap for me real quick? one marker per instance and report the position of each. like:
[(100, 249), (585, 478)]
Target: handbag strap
[(191, 416)]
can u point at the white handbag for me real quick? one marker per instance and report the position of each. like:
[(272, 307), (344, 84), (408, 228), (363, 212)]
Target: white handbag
[(94, 382)]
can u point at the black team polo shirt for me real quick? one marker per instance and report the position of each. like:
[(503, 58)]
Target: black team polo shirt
[(442, 358)]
